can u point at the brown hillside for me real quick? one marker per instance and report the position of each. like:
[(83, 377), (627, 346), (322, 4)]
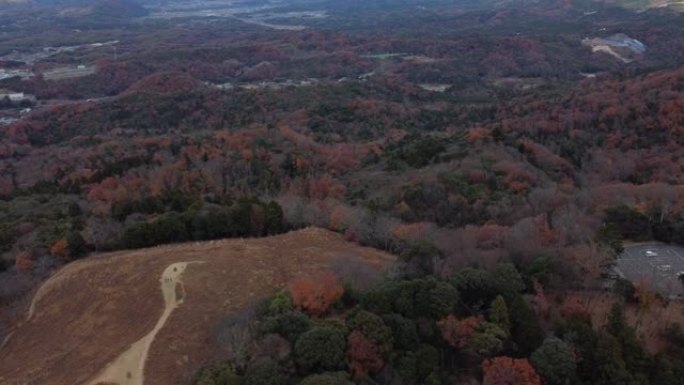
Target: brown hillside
[(93, 310)]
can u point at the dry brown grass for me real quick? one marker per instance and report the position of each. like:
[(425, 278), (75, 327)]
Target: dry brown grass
[(94, 309)]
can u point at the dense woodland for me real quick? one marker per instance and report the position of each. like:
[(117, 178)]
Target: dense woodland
[(525, 172), (476, 324)]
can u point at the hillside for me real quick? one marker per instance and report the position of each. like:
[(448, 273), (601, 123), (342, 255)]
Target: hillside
[(510, 152), (91, 311)]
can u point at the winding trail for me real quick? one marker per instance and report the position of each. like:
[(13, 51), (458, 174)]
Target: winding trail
[(128, 368), (610, 51), (104, 320)]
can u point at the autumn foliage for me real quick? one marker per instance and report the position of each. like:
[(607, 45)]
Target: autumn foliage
[(23, 262), (643, 294), (457, 332), (509, 371), (315, 296), (362, 354), (60, 248)]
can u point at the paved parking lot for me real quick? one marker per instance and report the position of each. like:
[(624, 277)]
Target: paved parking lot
[(657, 263)]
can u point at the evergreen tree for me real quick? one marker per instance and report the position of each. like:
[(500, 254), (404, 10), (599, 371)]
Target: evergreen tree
[(555, 362), (498, 314), (525, 328)]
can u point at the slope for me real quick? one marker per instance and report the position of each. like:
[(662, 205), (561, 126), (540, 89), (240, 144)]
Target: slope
[(93, 311)]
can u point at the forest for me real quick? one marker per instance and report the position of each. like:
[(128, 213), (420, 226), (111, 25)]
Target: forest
[(505, 163), (476, 324)]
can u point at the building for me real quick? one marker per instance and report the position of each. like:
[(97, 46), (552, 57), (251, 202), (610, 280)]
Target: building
[(8, 74), (18, 97)]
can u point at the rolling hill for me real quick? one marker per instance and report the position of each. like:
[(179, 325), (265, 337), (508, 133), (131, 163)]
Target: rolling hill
[(106, 319)]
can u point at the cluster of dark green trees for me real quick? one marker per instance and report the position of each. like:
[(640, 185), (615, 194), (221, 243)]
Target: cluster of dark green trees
[(624, 222), (202, 222), (438, 331)]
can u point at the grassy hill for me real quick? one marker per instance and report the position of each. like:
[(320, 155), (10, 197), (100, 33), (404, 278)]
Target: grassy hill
[(91, 311)]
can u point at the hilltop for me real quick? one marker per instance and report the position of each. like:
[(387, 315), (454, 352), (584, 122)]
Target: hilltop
[(93, 310)]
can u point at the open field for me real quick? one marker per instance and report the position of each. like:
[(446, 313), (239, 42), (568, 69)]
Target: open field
[(106, 318), (659, 269), (68, 73)]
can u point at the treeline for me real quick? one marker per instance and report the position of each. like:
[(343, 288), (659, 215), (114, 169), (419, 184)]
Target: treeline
[(626, 223), (240, 219), (477, 325)]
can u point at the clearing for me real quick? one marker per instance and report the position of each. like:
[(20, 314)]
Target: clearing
[(69, 72), (105, 319)]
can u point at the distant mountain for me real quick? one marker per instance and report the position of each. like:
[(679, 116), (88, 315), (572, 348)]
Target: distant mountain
[(645, 4), (118, 8), (115, 9)]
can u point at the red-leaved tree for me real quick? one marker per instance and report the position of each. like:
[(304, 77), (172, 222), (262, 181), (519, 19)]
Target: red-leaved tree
[(60, 248), (362, 354), (457, 332), (314, 296), (509, 371), (23, 262)]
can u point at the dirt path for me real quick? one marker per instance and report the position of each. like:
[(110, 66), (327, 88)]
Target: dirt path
[(129, 368), (609, 50)]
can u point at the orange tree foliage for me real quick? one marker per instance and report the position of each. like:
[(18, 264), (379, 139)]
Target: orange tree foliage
[(314, 296), (60, 248), (457, 332), (23, 262), (362, 354), (509, 371)]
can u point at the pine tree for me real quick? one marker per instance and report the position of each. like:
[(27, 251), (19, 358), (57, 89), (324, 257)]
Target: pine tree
[(498, 314)]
